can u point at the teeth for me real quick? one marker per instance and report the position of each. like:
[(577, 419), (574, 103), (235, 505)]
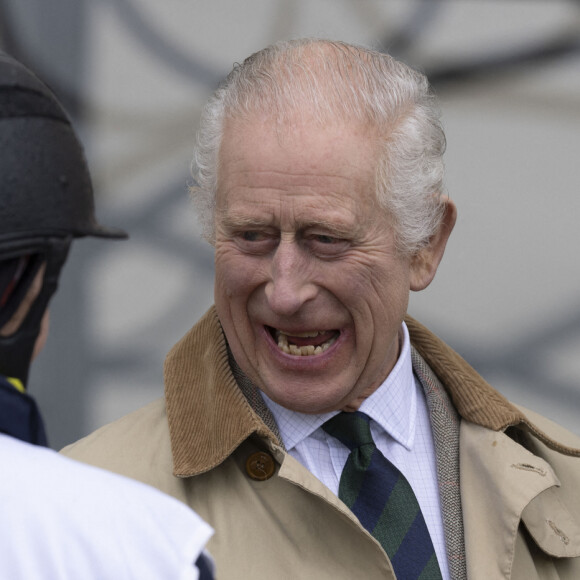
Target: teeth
[(307, 350), (310, 334)]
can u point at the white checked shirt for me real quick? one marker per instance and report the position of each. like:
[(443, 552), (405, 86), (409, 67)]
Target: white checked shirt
[(401, 429)]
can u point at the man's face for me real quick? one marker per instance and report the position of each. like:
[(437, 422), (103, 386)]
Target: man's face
[(310, 289)]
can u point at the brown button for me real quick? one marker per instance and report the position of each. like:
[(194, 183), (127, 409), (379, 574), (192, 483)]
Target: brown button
[(260, 466)]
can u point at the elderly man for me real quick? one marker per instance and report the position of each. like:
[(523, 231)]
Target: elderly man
[(321, 432)]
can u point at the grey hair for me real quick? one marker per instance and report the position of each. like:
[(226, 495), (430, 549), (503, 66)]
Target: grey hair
[(329, 81)]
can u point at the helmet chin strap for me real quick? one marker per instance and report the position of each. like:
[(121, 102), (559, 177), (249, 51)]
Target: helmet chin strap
[(16, 350)]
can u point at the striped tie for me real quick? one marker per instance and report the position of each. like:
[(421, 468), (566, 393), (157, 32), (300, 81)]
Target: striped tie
[(383, 501)]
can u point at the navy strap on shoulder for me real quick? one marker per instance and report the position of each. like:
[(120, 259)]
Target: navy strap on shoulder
[(203, 565), (19, 415)]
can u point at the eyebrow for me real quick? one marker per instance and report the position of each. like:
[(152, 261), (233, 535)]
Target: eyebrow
[(339, 229), (241, 221)]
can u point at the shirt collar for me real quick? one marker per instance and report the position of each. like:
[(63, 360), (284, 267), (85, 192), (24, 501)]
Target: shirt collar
[(393, 405)]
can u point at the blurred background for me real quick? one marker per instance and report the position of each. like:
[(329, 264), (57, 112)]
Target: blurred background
[(134, 74)]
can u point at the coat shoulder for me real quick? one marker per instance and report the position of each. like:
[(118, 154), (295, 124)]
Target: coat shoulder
[(557, 437), (136, 445)]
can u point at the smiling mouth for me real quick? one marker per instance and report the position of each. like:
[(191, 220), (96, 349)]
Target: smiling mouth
[(309, 343)]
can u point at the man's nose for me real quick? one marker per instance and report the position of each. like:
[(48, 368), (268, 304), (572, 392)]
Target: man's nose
[(290, 285)]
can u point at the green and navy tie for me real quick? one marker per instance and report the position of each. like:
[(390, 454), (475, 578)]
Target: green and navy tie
[(383, 501)]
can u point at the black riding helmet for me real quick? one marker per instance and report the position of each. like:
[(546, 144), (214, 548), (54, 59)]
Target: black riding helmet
[(46, 200)]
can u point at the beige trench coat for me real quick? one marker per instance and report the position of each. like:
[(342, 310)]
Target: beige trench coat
[(520, 494)]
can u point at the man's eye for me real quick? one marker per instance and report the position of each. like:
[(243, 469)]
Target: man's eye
[(255, 241), (252, 236), (326, 239), (327, 245)]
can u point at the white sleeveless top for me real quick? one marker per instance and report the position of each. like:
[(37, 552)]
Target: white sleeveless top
[(63, 520)]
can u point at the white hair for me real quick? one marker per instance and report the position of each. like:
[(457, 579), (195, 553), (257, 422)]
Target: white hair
[(333, 81)]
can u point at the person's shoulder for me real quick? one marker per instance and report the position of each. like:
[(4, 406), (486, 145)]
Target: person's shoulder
[(128, 445), (556, 436), (59, 512), (132, 429), (20, 457)]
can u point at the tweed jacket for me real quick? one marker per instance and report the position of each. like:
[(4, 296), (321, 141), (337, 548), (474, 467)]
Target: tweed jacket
[(509, 479)]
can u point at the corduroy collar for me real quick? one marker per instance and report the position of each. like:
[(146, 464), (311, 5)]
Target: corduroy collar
[(209, 416)]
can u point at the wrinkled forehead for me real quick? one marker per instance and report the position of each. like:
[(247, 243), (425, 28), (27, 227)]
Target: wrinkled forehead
[(302, 169), (298, 145)]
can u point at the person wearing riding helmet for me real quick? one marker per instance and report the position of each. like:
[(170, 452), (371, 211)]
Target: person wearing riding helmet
[(60, 518), (46, 201)]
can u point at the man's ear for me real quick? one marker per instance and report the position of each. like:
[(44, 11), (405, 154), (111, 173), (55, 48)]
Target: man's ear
[(424, 264)]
